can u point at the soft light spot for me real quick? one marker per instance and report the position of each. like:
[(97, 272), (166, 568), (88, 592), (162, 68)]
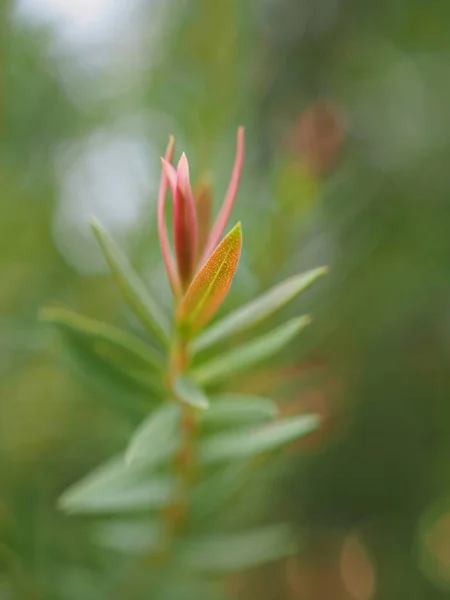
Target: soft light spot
[(434, 545)]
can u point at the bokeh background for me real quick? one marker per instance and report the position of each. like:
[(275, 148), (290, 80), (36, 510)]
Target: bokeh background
[(346, 108)]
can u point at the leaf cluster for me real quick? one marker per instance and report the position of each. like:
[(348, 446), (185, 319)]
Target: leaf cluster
[(198, 448)]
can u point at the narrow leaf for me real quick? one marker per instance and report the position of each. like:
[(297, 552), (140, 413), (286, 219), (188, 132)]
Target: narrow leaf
[(256, 311), (249, 354), (157, 438), (189, 393), (126, 396), (129, 537), (156, 493), (237, 552), (254, 441), (114, 487), (185, 225), (211, 284), (162, 228), (214, 492), (233, 409), (107, 348), (228, 203), (132, 286)]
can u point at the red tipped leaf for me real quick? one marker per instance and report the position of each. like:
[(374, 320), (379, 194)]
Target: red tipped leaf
[(228, 203), (185, 224)]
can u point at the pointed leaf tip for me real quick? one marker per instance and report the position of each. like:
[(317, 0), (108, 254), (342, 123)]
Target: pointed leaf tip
[(235, 552), (183, 164), (189, 393), (237, 409), (211, 284), (249, 354), (185, 228), (156, 439), (254, 441), (116, 488), (183, 179)]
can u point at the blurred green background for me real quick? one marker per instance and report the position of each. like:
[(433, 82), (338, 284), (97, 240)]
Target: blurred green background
[(346, 108)]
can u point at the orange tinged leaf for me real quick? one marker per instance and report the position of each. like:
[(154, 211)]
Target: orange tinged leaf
[(211, 284)]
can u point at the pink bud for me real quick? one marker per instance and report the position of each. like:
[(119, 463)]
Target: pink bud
[(183, 179), (185, 224), (228, 203)]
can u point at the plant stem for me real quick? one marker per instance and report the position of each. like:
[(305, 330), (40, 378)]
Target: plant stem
[(184, 462)]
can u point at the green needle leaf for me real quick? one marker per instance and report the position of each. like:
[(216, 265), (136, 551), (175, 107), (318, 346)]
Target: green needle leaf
[(211, 284), (189, 393), (211, 494), (237, 552), (256, 311), (129, 537), (252, 442), (233, 409), (157, 438), (132, 286), (114, 487), (107, 348), (250, 354)]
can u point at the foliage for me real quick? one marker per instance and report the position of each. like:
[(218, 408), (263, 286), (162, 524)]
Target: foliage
[(347, 122), (173, 453)]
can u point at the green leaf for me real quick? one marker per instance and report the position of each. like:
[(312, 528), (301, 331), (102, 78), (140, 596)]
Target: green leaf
[(132, 286), (256, 311), (107, 348), (129, 537), (210, 286), (237, 552), (213, 492), (114, 487), (157, 438), (189, 393), (127, 395), (233, 409), (254, 441), (249, 354)]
